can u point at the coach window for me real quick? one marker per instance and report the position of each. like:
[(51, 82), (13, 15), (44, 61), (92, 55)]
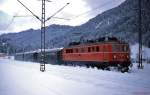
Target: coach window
[(89, 49), (97, 48)]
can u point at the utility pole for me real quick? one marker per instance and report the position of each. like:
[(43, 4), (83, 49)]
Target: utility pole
[(43, 56), (140, 66), (43, 20)]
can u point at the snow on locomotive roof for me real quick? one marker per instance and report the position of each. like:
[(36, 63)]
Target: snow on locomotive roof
[(39, 50), (98, 41)]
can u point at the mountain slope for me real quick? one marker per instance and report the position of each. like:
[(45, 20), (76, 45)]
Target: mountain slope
[(121, 22)]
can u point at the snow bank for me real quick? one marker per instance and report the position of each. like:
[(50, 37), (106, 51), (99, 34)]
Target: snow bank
[(135, 50), (24, 78)]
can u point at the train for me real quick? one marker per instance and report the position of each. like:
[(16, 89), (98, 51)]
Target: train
[(2, 55), (102, 53)]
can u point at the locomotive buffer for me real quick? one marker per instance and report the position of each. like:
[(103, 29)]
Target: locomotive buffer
[(43, 20)]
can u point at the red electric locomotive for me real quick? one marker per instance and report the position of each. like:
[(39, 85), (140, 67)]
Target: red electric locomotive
[(101, 54)]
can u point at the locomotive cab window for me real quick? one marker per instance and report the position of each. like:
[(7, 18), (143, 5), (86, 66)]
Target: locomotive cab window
[(120, 48), (115, 47), (125, 48)]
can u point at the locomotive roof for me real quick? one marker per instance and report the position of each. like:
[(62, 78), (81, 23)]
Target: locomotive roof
[(102, 40), (97, 43)]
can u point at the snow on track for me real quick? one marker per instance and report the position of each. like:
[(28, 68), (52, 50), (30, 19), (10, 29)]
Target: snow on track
[(24, 78)]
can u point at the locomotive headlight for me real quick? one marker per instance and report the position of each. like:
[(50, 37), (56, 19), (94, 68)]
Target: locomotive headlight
[(115, 56), (127, 56)]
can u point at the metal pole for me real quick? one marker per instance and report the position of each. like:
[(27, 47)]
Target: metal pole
[(29, 10), (42, 64), (140, 66), (43, 55)]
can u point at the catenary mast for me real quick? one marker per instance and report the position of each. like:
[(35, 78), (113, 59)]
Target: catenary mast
[(43, 21)]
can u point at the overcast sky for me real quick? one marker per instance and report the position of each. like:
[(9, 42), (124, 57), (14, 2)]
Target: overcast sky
[(9, 8)]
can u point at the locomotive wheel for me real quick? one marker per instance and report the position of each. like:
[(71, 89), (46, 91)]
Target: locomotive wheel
[(102, 67), (98, 67), (65, 64), (107, 68), (71, 64), (74, 65), (92, 66), (124, 69), (119, 67), (87, 66)]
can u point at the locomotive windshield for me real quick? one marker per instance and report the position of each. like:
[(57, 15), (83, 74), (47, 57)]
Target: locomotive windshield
[(120, 48)]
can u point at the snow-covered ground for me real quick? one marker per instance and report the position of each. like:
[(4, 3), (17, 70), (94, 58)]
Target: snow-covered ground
[(135, 50), (24, 78)]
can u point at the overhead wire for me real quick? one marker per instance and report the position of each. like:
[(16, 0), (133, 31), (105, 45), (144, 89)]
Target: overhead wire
[(11, 22), (77, 16), (92, 10)]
